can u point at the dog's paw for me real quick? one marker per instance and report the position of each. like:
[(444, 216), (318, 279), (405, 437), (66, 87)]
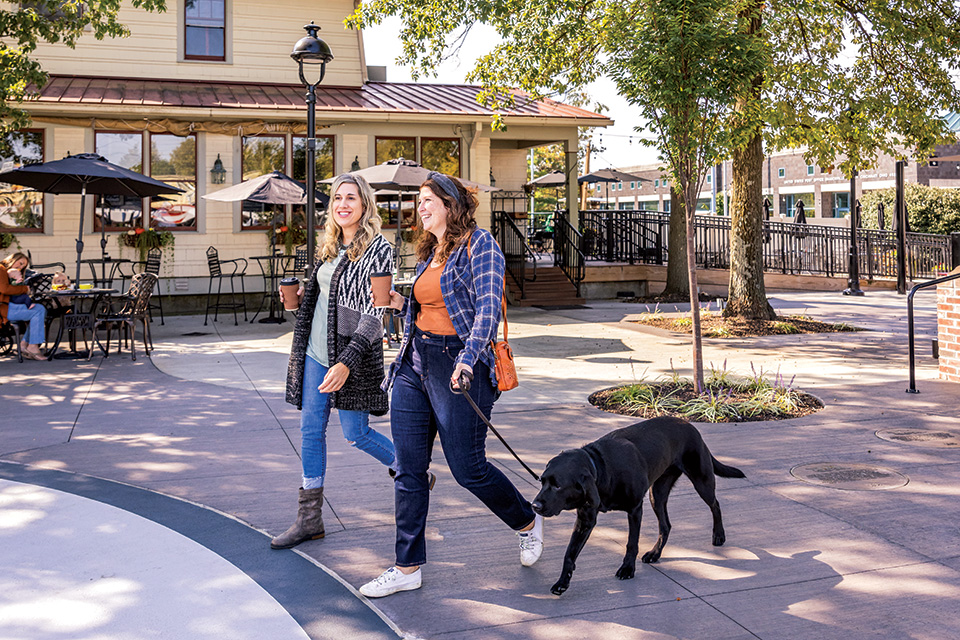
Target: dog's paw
[(650, 557), (559, 588), (626, 571), (719, 539)]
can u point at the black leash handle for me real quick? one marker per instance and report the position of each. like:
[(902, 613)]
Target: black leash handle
[(465, 379)]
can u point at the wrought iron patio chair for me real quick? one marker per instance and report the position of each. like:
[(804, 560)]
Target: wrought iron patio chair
[(136, 307), (238, 268)]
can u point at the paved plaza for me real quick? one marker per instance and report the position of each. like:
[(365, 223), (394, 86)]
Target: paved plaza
[(137, 498)]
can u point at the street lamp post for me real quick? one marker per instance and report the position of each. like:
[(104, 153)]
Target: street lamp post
[(853, 272), (311, 50)]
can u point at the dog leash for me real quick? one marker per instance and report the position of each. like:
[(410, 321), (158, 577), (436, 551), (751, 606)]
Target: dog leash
[(465, 379)]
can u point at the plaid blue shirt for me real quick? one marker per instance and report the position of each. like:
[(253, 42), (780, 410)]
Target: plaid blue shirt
[(472, 287)]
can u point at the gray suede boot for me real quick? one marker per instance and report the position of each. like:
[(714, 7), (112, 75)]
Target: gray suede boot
[(309, 524)]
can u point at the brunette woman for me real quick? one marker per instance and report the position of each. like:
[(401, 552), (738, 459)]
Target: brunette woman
[(34, 314), (452, 315)]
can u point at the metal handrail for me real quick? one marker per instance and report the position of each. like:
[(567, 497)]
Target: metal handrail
[(566, 251), (910, 349), (515, 249)]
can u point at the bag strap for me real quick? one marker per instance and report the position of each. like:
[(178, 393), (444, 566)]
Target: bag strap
[(503, 299)]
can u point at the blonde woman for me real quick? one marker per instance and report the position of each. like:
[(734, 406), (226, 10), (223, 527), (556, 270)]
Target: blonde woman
[(337, 355)]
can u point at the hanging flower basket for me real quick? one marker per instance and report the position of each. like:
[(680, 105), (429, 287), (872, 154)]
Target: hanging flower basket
[(289, 237), (143, 240), (8, 239)]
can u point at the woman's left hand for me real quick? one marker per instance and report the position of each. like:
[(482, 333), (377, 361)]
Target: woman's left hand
[(459, 369), (335, 378)]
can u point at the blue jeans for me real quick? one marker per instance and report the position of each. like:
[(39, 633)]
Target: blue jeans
[(34, 318), (422, 407), (314, 417)]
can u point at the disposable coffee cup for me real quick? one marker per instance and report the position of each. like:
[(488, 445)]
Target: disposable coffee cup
[(381, 283), (290, 286)]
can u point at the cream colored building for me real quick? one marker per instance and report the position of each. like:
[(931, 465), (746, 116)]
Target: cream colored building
[(213, 79)]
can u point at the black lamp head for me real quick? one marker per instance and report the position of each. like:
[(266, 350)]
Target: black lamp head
[(310, 49)]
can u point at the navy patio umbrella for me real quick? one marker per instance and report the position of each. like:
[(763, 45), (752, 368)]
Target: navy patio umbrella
[(86, 173)]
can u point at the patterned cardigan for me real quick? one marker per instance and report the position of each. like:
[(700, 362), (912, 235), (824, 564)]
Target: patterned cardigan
[(354, 332)]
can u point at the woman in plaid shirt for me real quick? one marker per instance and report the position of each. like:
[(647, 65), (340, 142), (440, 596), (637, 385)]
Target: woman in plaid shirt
[(451, 317)]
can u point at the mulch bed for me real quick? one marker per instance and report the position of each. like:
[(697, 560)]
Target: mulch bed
[(716, 326), (806, 405)]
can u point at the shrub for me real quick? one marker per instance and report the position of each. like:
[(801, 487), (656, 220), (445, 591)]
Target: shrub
[(931, 209)]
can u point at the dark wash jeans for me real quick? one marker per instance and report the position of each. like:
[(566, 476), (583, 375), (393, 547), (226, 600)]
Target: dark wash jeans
[(422, 407)]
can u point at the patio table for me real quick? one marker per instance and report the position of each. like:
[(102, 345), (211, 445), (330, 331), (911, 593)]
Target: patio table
[(272, 268), (86, 304)]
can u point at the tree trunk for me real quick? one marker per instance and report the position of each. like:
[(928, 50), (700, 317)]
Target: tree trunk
[(677, 281), (698, 382), (747, 294)]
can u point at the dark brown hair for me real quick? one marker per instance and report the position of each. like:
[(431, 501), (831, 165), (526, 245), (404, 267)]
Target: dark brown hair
[(460, 221)]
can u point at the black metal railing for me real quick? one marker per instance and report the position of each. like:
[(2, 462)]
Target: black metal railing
[(567, 253), (516, 252), (911, 353), (789, 248)]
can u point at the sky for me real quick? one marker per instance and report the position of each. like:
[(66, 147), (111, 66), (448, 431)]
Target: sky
[(618, 145)]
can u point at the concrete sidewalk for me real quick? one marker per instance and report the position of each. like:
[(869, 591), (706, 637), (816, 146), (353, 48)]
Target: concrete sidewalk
[(204, 422)]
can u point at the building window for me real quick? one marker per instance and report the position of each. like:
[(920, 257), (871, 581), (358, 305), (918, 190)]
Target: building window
[(791, 200), (809, 169), (173, 159), (119, 213), (709, 178), (664, 184), (625, 206), (204, 28), (619, 186), (441, 154), (21, 209), (781, 172), (633, 185), (261, 155), (656, 184), (394, 148), (324, 170), (841, 205), (666, 205)]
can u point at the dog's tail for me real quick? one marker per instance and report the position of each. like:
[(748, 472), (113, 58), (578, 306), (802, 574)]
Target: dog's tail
[(726, 471)]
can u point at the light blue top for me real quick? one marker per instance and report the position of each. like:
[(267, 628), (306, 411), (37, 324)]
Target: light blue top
[(317, 347)]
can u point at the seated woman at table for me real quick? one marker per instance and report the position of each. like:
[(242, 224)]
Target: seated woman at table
[(337, 356), (34, 315)]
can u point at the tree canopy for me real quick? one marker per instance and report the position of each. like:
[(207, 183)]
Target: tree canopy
[(29, 23)]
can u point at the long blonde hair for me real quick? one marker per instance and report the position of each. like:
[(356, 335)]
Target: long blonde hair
[(369, 221)]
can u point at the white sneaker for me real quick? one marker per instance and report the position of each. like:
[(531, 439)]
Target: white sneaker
[(531, 542), (391, 581)]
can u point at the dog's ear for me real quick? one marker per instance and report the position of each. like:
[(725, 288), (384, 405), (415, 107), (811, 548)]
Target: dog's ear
[(588, 488)]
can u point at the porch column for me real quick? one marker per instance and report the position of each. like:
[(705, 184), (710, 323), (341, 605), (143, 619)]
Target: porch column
[(570, 147)]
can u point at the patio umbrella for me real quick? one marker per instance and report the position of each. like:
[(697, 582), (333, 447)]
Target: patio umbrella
[(881, 218), (271, 188), (86, 173), (858, 211), (402, 175), (607, 176), (766, 209), (552, 179)]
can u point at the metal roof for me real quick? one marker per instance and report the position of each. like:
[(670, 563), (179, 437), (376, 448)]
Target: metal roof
[(373, 97)]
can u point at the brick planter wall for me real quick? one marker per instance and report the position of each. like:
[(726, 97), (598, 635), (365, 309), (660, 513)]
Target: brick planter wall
[(948, 329)]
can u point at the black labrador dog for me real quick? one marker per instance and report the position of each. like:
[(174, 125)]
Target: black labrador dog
[(613, 474)]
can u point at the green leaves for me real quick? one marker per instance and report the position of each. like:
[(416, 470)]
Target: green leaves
[(27, 24)]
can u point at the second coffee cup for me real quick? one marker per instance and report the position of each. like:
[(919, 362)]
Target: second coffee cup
[(381, 283), (290, 286)]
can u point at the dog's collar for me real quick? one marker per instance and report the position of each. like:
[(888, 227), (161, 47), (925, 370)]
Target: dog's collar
[(592, 463)]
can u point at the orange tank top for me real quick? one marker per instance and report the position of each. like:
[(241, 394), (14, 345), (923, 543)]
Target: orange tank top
[(433, 316)]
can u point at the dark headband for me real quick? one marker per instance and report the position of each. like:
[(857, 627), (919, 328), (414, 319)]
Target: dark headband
[(446, 183)]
